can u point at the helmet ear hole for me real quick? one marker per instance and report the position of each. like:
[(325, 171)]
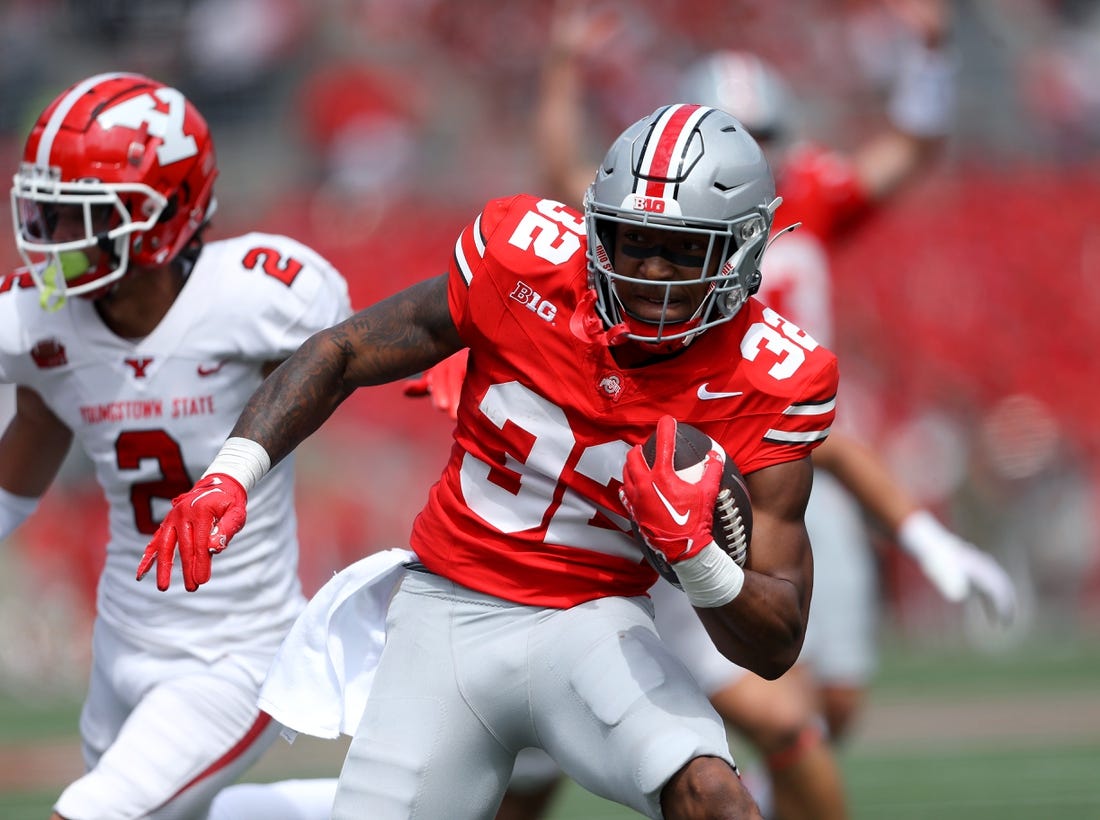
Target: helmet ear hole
[(169, 210)]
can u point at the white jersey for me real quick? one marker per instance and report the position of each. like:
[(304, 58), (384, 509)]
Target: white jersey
[(795, 283), (152, 413)]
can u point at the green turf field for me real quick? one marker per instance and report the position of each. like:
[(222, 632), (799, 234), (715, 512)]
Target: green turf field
[(950, 735)]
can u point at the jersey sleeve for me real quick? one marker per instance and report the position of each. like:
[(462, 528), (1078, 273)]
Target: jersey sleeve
[(470, 271), (800, 427), (10, 327), (797, 395), (19, 312), (296, 294)]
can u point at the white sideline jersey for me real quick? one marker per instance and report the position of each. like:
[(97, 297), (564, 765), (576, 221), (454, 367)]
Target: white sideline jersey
[(152, 413)]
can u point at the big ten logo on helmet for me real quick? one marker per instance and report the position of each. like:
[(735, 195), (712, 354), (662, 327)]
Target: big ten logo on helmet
[(650, 204), (533, 301), (653, 204)]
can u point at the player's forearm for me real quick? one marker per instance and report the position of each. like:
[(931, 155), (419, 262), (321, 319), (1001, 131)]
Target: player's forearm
[(921, 105), (763, 626), (297, 398), (866, 476), (762, 629), (32, 447), (558, 125)]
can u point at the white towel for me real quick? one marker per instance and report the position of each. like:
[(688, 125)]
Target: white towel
[(320, 678)]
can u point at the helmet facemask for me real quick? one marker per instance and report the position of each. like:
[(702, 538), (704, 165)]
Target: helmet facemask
[(61, 267), (729, 268)]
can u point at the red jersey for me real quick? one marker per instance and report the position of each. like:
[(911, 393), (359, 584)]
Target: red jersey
[(528, 508), (822, 190)]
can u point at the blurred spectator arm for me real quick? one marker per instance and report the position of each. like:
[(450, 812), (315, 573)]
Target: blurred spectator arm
[(922, 100), (575, 34)]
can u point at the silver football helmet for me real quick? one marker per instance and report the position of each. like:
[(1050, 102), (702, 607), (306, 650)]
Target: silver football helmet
[(686, 168)]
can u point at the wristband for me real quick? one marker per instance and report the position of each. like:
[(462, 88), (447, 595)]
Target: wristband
[(242, 459), (14, 510), (711, 578), (922, 103)]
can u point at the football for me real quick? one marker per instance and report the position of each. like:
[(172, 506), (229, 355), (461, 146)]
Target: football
[(732, 527)]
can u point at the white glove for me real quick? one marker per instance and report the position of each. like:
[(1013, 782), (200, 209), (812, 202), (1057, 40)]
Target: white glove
[(956, 568)]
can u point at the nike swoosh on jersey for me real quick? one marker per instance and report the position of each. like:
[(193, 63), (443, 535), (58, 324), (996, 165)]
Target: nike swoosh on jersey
[(204, 370), (706, 394), (677, 516)]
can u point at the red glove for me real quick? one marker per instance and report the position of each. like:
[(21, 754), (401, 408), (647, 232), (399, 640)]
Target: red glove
[(202, 520), (443, 383), (674, 516)]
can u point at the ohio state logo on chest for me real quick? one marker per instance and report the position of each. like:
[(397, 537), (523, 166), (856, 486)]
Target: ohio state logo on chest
[(533, 301)]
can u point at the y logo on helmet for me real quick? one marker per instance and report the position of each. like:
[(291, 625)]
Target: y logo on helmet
[(142, 110), (533, 301)]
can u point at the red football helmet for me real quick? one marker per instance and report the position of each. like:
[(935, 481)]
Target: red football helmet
[(118, 163)]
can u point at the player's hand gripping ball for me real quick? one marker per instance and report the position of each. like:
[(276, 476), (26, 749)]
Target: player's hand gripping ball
[(731, 527)]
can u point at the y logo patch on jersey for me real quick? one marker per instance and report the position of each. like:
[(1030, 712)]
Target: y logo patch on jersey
[(139, 366)]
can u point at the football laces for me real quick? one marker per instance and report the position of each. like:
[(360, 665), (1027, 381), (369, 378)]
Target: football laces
[(732, 525)]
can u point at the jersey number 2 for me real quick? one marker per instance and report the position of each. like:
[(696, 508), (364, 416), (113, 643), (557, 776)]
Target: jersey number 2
[(134, 446)]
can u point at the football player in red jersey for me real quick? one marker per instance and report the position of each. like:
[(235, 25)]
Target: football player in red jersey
[(130, 334), (524, 619), (826, 192)]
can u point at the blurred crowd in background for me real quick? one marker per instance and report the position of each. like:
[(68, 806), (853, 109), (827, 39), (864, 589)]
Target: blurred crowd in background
[(373, 130)]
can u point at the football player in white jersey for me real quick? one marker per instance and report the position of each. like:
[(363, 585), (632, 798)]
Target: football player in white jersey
[(524, 620), (128, 334)]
